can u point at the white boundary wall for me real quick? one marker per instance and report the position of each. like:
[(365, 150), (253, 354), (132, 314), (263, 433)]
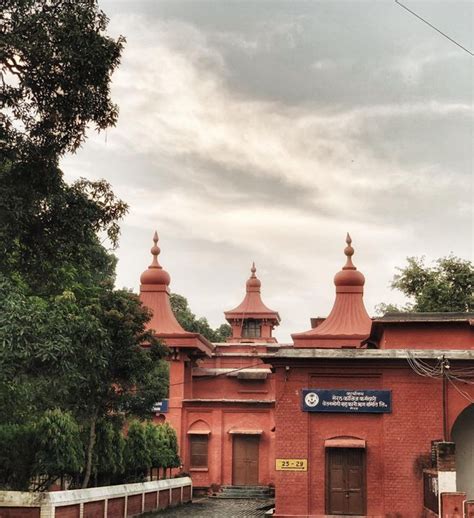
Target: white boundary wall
[(50, 500)]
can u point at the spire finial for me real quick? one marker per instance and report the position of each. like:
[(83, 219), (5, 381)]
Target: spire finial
[(349, 252), (155, 250), (253, 270)]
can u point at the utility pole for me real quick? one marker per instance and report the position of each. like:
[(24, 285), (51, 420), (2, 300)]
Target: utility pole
[(444, 368)]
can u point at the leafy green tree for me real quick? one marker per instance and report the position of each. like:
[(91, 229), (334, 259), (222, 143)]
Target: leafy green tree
[(169, 440), (190, 322), (108, 462), (56, 62), (445, 286), (68, 340), (17, 456), (59, 447), (137, 452)]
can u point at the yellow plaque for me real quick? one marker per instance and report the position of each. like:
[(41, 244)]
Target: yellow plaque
[(291, 464)]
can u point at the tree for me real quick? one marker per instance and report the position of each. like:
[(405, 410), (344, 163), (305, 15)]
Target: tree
[(53, 90), (190, 322), (104, 361), (445, 286), (59, 447), (54, 87), (108, 461), (59, 312), (137, 452), (17, 456)]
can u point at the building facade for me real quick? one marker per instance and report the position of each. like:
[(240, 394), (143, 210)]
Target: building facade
[(342, 421)]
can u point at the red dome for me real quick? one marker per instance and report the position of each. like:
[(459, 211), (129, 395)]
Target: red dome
[(349, 278), (155, 274)]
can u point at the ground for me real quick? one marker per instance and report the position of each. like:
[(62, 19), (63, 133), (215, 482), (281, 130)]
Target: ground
[(218, 508)]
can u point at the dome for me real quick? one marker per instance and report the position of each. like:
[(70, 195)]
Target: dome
[(253, 281), (155, 275), (349, 278)]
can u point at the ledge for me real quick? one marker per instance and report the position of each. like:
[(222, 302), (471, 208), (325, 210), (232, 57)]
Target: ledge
[(76, 496), (231, 401), (371, 354)]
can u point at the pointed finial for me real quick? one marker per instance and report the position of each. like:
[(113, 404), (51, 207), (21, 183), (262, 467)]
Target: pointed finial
[(349, 252), (253, 270), (155, 275), (155, 250)]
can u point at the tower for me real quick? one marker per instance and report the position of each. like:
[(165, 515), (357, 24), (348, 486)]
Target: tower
[(252, 321)]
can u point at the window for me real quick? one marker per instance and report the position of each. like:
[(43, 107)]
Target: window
[(251, 328), (199, 447)]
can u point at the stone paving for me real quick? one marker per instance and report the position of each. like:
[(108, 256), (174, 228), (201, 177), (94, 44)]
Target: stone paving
[(218, 508)]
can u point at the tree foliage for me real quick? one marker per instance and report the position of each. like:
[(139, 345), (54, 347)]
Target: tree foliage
[(59, 449), (73, 350), (190, 322), (150, 446), (445, 286), (56, 63)]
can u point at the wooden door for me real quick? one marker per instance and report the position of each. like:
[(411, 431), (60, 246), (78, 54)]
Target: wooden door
[(345, 481), (245, 460)]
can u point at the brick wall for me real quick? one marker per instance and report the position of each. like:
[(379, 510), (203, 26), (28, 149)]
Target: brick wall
[(94, 509), (68, 504), (68, 511), (163, 499), (175, 496), (397, 444), (151, 501), (187, 494), (20, 512), (115, 507), (134, 505)]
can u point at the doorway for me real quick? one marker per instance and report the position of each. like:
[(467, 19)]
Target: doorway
[(245, 460), (345, 481), (463, 436)]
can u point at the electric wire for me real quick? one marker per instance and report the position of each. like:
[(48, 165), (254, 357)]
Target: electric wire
[(433, 27)]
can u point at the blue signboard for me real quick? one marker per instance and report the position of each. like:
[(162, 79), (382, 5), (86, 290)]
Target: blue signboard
[(161, 407), (347, 400)]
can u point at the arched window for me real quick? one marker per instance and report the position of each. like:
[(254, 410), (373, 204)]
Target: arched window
[(198, 433)]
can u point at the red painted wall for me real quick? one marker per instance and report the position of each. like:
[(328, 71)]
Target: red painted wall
[(413, 335), (397, 444), (221, 421)]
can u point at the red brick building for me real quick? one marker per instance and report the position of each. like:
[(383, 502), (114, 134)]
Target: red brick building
[(341, 421), (222, 396)]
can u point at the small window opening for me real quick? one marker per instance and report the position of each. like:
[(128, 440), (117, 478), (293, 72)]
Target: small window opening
[(251, 328)]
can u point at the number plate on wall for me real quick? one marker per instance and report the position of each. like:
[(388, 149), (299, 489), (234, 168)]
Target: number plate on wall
[(291, 464)]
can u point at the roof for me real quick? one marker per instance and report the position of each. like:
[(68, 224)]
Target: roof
[(348, 324), (155, 295), (252, 306), (368, 354), (396, 318)]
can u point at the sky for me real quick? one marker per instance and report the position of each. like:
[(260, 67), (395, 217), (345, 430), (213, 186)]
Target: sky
[(265, 130)]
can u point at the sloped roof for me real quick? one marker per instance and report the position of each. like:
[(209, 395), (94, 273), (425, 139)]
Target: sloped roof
[(348, 323), (252, 306)]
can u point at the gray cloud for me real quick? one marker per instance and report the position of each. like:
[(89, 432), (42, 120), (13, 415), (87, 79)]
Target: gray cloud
[(264, 131)]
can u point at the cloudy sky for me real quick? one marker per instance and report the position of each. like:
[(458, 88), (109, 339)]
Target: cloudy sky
[(265, 130)]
